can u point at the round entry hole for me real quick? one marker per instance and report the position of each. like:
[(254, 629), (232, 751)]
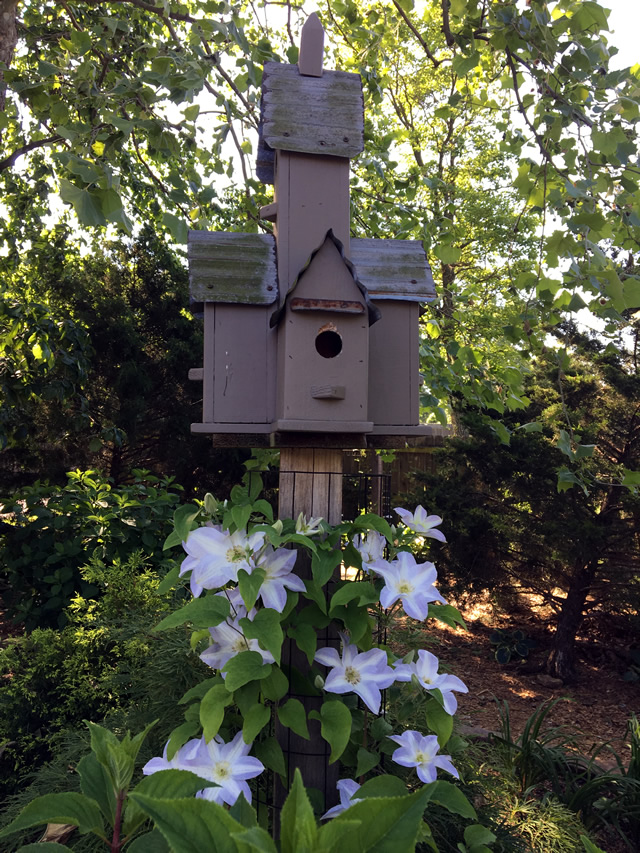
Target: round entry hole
[(328, 344)]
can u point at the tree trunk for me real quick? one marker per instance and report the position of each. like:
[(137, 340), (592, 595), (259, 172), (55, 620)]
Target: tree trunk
[(561, 661), (8, 41)]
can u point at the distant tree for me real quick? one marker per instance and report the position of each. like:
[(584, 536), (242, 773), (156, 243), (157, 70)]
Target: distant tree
[(547, 513)]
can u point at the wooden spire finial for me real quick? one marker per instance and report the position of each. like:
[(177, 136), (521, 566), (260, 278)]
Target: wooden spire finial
[(311, 47)]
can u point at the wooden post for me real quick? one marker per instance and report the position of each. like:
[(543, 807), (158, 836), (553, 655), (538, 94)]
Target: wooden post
[(311, 483)]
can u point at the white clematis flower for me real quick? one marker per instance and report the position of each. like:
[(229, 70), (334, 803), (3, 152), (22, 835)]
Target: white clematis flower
[(308, 528), (410, 582), (420, 751), (229, 641), (370, 546), (215, 556), (228, 765), (426, 671), (420, 522), (346, 789), (362, 673), (277, 566)]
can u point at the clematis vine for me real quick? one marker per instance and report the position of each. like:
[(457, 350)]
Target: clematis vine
[(227, 765), (362, 673), (420, 751), (426, 671), (420, 522), (370, 546), (346, 789), (229, 641), (215, 555), (279, 577), (409, 582)]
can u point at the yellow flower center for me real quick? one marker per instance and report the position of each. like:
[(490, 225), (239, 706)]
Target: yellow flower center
[(223, 770), (405, 588), (420, 757), (240, 645), (236, 554), (352, 675)]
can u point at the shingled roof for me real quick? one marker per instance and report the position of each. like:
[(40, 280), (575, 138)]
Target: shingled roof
[(312, 115)]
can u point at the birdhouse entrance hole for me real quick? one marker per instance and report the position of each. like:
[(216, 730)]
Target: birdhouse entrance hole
[(328, 343)]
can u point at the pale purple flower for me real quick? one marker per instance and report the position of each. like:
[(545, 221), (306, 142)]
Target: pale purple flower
[(214, 556), (420, 522), (370, 546), (410, 582), (363, 673), (420, 751), (346, 789), (229, 641), (426, 671), (279, 577), (228, 765)]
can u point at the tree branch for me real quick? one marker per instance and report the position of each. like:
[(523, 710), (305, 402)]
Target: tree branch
[(421, 41), (8, 162)]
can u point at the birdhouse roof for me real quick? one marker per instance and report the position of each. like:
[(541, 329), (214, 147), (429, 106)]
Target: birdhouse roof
[(232, 267), (312, 115), (393, 269), (373, 312)]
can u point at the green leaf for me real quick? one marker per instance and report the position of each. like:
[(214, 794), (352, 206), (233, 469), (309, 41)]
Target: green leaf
[(364, 591), (118, 757), (205, 612), (366, 761), (388, 824), (169, 581), (564, 444), (265, 628), (244, 813), (298, 830), (190, 825), (439, 721), (383, 786), (463, 64), (166, 784), (446, 794), (371, 521), (257, 839), (183, 520), (478, 836), (212, 708), (335, 727), (86, 205), (446, 613), (72, 808), (631, 478), (177, 227), (150, 842), (270, 753), (324, 563), (245, 667), (180, 735), (294, 717), (250, 585), (255, 720), (306, 639), (199, 690), (95, 784), (275, 686)]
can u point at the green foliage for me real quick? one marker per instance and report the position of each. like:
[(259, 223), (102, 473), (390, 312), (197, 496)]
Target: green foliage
[(54, 531), (510, 645)]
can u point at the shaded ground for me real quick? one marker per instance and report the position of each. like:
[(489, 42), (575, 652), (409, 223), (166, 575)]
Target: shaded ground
[(598, 704)]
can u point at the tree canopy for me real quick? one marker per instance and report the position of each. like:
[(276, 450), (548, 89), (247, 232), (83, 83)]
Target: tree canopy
[(497, 132)]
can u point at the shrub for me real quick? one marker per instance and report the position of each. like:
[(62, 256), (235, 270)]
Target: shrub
[(55, 530)]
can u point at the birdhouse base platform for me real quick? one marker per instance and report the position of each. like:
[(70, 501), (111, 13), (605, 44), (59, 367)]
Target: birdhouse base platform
[(381, 438)]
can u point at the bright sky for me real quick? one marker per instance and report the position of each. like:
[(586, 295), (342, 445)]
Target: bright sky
[(624, 20)]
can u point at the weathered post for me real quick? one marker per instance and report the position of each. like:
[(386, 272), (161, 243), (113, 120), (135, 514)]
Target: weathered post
[(311, 336)]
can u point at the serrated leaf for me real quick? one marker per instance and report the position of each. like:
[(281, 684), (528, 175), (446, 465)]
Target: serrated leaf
[(95, 784), (71, 808), (169, 784), (298, 830), (150, 842)]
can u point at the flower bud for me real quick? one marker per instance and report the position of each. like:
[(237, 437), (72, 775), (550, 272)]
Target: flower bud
[(319, 682), (277, 526)]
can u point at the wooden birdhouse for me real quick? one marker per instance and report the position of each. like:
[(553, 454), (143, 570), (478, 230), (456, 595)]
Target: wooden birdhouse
[(307, 330)]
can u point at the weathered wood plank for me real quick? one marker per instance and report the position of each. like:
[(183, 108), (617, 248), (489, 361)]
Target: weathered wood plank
[(311, 47), (232, 267), (393, 269)]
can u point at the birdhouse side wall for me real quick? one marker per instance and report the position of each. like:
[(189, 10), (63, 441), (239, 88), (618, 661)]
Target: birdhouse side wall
[(394, 369), (239, 364)]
